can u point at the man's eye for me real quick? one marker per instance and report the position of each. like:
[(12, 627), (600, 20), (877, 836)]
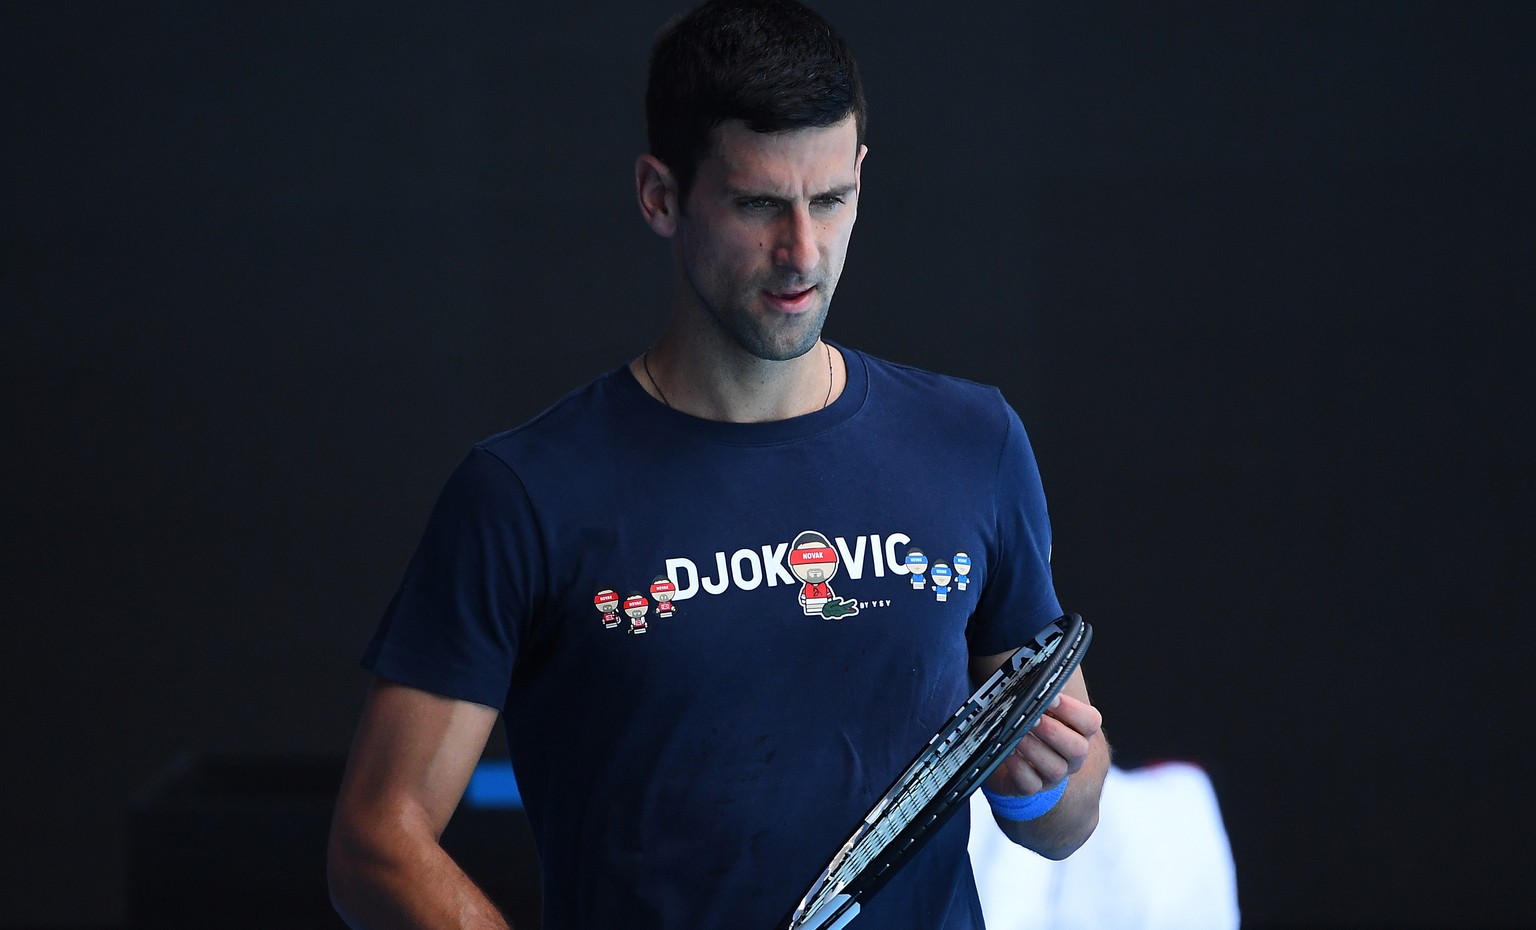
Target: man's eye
[(759, 204), (827, 203)]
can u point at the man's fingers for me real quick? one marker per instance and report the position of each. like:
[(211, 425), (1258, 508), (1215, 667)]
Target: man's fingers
[(1054, 748), (1078, 715), (1016, 776), (1046, 759)]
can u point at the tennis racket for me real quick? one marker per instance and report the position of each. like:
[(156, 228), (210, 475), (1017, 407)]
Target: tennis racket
[(939, 781)]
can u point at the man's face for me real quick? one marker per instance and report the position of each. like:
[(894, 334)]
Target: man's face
[(765, 230)]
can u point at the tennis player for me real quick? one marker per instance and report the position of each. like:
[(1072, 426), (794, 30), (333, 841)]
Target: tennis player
[(699, 776)]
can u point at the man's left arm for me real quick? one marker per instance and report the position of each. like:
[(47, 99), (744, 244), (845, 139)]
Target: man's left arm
[(1067, 744)]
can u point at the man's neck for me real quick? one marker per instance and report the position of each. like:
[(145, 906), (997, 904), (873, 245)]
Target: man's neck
[(732, 386)]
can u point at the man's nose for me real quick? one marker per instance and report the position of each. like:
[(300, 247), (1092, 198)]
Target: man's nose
[(797, 249)]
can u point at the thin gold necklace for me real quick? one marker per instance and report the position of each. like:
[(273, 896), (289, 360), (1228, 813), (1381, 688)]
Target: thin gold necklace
[(645, 362), (645, 359)]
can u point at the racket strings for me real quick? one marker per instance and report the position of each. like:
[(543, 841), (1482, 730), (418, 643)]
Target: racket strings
[(922, 787), (927, 785), (950, 767)]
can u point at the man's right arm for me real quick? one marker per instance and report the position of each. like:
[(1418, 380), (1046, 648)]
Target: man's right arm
[(410, 762)]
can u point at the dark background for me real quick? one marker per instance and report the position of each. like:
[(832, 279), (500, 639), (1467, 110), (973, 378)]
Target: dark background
[(1257, 276)]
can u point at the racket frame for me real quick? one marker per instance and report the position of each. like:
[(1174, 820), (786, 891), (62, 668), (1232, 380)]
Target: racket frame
[(991, 722)]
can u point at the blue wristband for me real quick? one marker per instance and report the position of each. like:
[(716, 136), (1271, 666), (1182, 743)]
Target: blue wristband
[(1028, 807)]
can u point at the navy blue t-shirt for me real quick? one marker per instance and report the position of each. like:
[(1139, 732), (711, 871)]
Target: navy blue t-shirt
[(716, 644)]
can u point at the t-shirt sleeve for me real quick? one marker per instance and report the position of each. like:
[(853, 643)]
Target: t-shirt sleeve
[(460, 615), (1019, 597)]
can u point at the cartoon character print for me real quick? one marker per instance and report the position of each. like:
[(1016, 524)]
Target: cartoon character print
[(663, 591), (946, 577), (917, 563), (813, 560), (962, 570), (607, 603), (613, 609), (635, 608), (941, 576)]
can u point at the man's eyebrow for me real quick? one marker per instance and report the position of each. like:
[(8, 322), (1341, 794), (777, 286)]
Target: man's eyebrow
[(741, 193), (842, 191)]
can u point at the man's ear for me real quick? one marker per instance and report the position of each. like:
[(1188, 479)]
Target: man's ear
[(656, 189)]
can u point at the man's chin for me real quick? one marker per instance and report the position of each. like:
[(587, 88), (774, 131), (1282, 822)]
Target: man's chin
[(781, 353), (767, 334), (793, 338)]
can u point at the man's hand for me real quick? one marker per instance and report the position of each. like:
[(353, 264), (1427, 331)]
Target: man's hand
[(1068, 741), (1057, 747)]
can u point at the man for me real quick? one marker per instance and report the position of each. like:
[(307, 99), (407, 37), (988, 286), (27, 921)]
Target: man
[(753, 735)]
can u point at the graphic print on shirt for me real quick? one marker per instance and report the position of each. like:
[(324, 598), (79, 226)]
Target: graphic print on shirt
[(810, 563), (940, 575), (636, 607), (607, 603), (917, 563), (664, 590), (813, 560)]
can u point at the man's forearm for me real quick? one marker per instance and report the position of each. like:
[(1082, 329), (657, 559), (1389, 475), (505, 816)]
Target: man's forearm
[(406, 885), (1066, 827)]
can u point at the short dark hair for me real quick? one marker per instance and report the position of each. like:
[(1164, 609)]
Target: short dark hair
[(773, 64)]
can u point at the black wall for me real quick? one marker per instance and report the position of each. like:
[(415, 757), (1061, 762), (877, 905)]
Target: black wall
[(1257, 276)]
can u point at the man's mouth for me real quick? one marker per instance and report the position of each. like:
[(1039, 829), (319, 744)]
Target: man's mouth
[(793, 300)]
